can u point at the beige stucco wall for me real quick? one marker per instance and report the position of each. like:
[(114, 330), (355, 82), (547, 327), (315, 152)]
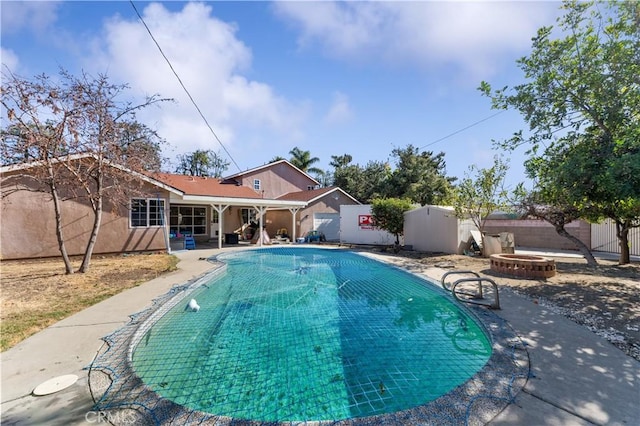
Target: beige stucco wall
[(233, 219), (29, 230), (326, 204), (278, 180), (277, 219)]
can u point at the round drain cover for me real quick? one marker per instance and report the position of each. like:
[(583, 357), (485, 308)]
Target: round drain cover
[(55, 385)]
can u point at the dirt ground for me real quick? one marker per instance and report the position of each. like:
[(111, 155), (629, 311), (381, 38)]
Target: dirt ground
[(604, 298), (37, 293)]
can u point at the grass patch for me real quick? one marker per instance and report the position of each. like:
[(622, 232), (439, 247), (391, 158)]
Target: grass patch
[(37, 293)]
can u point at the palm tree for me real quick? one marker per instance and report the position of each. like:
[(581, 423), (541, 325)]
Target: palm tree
[(303, 160)]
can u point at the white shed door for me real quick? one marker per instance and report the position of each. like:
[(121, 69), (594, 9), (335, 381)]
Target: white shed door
[(328, 224)]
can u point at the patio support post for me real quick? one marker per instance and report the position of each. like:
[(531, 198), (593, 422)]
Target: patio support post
[(165, 222), (261, 211), (220, 209), (293, 211)]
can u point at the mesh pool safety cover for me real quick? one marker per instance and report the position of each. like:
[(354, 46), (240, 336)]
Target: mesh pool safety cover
[(130, 384)]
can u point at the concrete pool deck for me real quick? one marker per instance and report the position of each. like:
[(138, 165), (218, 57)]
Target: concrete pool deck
[(578, 377)]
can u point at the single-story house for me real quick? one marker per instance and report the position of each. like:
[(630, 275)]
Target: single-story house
[(277, 196)]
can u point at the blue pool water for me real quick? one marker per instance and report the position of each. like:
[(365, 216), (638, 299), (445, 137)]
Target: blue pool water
[(292, 334)]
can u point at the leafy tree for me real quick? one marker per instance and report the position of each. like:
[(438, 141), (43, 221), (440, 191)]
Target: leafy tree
[(480, 193), (79, 138), (204, 163), (14, 148), (346, 175), (363, 183), (419, 176), (276, 158), (350, 177), (338, 161), (594, 179), (559, 214), (375, 176), (303, 160), (581, 101), (388, 214), (324, 177), (139, 142)]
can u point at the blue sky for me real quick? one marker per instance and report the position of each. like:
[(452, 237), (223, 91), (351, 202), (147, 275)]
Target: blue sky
[(358, 78)]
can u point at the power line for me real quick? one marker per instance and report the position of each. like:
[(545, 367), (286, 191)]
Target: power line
[(183, 86), (461, 130)]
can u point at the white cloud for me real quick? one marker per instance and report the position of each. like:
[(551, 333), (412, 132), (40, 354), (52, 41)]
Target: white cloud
[(210, 60), (340, 110), (471, 36), (9, 60), (34, 16)]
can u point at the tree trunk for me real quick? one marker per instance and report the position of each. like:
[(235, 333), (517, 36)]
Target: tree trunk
[(97, 220), (591, 261), (59, 234), (622, 232)]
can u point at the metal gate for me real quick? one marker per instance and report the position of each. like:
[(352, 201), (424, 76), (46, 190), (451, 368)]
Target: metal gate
[(603, 238)]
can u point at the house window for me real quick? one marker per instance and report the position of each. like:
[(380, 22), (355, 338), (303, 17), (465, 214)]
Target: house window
[(256, 184), (248, 216), (146, 212), (188, 220)]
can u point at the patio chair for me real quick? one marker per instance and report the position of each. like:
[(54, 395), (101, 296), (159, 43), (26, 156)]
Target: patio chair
[(189, 242)]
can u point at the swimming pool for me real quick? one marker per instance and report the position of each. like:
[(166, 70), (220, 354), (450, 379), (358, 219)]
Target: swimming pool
[(309, 334)]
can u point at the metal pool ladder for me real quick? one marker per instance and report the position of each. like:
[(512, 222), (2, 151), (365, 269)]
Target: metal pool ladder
[(476, 298)]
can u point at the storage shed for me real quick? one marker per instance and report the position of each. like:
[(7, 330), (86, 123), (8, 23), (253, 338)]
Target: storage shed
[(436, 229)]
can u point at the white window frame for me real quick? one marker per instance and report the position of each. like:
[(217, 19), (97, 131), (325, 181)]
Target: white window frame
[(250, 214), (187, 213), (149, 214), (257, 185)]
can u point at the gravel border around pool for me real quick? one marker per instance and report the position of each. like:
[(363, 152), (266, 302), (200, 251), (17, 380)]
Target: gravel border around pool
[(125, 399)]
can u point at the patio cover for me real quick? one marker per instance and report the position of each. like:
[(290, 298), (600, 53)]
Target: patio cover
[(220, 196)]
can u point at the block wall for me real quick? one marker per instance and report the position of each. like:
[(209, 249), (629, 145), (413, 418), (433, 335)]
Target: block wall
[(540, 234)]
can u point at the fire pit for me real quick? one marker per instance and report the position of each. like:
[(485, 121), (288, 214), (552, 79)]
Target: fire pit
[(525, 266)]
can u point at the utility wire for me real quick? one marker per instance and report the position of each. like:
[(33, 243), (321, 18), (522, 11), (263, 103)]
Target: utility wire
[(461, 130), (183, 86)]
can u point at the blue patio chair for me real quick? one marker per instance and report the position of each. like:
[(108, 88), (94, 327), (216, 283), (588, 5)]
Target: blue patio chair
[(189, 242)]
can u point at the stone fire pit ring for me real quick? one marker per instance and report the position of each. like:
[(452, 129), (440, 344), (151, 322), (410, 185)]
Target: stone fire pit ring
[(523, 266)]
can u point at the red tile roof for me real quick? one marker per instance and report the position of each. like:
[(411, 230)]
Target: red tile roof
[(212, 187)]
